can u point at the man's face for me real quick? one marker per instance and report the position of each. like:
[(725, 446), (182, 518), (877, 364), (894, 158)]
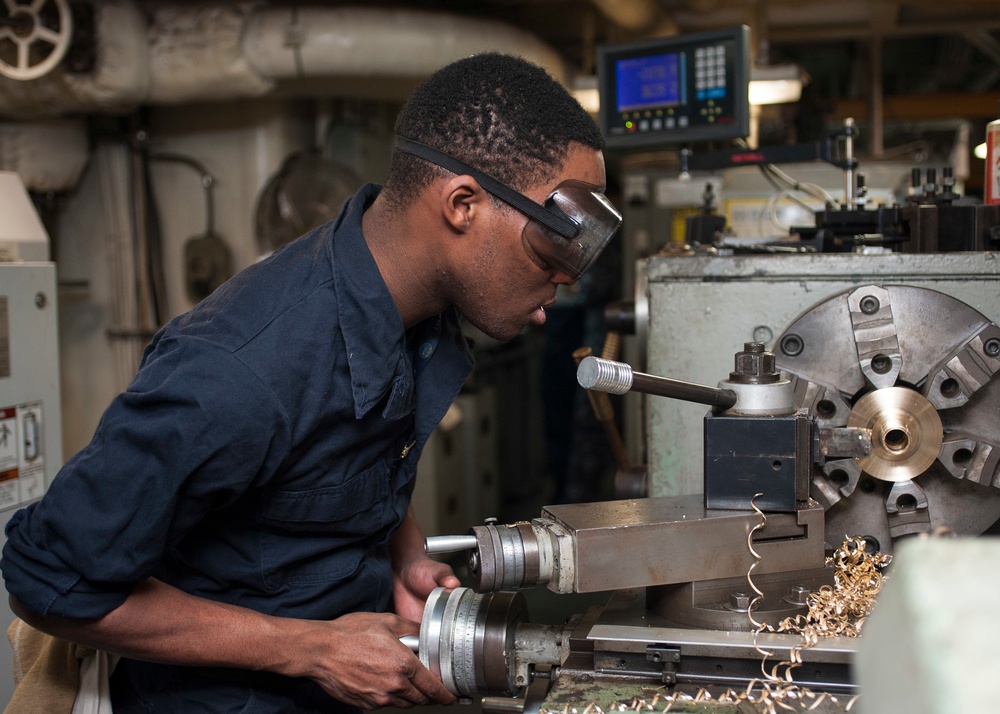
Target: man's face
[(508, 286)]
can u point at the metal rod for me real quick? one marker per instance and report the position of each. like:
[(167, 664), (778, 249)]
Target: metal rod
[(502, 705), (449, 544), (618, 378), (411, 641)]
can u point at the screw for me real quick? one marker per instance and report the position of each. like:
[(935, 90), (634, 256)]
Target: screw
[(870, 305), (881, 364), (762, 333), (792, 345), (797, 595), (992, 347), (40, 300)]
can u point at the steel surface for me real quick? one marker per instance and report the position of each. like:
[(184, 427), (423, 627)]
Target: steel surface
[(658, 541)]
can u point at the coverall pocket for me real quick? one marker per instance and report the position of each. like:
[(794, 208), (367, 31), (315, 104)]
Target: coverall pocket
[(322, 534)]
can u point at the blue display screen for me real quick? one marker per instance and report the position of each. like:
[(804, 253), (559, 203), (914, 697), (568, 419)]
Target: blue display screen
[(647, 82)]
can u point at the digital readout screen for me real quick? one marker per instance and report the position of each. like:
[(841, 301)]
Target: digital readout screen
[(648, 82)]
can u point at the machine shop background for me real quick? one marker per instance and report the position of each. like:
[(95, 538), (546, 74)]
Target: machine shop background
[(175, 143)]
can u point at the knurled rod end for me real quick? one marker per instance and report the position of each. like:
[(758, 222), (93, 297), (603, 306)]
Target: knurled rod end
[(603, 375)]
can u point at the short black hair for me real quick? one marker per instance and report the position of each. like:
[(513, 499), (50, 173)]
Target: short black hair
[(499, 113)]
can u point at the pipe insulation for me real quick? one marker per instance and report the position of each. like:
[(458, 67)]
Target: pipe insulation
[(50, 155), (284, 43), (229, 50)]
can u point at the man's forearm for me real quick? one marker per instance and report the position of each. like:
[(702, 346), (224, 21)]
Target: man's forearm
[(356, 658), (159, 623)]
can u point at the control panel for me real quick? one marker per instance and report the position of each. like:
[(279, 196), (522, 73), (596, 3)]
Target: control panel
[(676, 90)]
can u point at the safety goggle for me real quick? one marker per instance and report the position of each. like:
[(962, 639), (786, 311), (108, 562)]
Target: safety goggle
[(566, 233)]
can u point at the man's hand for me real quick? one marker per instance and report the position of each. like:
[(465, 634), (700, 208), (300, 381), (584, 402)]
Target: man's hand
[(414, 575), (366, 665), (413, 581)]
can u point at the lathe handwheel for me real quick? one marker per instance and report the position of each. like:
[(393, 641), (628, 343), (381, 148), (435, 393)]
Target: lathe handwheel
[(467, 639)]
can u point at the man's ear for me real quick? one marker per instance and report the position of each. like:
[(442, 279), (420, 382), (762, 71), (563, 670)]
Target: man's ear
[(462, 200)]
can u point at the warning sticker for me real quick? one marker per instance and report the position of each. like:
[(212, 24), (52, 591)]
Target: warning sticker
[(22, 462)]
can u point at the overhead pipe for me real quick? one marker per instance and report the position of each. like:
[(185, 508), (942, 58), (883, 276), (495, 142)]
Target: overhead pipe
[(369, 43), (223, 51)]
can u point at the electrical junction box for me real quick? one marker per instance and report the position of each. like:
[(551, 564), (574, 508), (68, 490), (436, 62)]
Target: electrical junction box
[(30, 430), (30, 412)]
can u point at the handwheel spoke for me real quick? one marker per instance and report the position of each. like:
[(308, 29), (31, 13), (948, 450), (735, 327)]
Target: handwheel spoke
[(50, 36), (23, 58)]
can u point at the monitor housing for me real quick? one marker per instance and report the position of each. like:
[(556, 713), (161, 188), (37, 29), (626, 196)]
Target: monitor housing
[(674, 91)]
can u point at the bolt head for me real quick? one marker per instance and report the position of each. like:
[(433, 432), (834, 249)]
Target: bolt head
[(739, 601), (798, 595), (754, 366)]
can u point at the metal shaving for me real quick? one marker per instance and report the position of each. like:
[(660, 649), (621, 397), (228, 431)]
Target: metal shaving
[(840, 610), (837, 611), (833, 611)]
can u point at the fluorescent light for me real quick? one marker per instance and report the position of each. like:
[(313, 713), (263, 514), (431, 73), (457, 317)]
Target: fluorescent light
[(777, 84), (980, 151)]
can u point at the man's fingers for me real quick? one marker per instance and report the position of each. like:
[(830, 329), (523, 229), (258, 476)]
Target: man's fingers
[(401, 626), (431, 687)]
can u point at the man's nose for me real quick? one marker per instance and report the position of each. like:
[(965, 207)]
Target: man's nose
[(560, 278)]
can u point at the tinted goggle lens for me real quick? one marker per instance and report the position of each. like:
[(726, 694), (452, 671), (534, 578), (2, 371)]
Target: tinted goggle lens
[(567, 233), (596, 220)]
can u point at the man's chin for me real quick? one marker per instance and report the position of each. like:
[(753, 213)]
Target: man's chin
[(500, 333)]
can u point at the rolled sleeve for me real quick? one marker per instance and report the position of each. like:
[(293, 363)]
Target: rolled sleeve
[(194, 432)]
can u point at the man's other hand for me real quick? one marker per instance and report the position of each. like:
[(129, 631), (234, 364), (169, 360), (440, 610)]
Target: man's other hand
[(413, 582)]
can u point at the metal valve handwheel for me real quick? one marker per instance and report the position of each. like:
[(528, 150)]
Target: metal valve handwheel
[(34, 37)]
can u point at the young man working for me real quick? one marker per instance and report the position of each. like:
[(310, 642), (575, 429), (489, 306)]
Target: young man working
[(239, 527)]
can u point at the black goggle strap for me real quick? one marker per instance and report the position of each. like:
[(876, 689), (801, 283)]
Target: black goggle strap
[(552, 218)]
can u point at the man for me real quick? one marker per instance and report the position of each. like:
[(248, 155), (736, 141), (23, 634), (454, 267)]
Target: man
[(238, 529)]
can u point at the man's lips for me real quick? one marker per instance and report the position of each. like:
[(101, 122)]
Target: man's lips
[(538, 314)]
